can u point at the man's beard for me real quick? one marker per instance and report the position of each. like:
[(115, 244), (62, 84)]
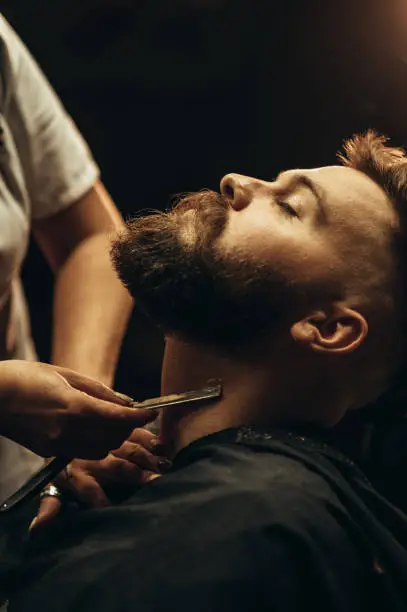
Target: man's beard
[(172, 266)]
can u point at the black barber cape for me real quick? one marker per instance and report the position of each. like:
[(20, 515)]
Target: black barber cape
[(245, 521)]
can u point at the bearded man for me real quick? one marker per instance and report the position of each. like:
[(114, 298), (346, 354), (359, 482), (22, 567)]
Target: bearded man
[(292, 293)]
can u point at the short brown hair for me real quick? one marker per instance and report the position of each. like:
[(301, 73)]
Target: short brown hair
[(387, 166), (371, 154)]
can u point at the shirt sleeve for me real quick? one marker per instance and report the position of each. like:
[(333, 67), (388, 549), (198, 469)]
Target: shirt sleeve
[(57, 165)]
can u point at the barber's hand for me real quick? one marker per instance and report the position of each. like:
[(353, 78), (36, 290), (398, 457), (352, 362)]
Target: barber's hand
[(55, 411), (135, 463)]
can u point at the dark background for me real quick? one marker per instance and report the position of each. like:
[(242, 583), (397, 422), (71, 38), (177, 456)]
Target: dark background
[(171, 95)]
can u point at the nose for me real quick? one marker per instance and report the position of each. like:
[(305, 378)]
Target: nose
[(238, 190)]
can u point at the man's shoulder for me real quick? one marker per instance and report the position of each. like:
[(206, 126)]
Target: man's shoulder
[(288, 485), (265, 468), (231, 528), (265, 486)]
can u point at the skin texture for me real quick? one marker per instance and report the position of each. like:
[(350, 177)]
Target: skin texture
[(136, 462), (75, 243), (314, 248), (353, 208), (274, 288), (56, 411), (86, 339)]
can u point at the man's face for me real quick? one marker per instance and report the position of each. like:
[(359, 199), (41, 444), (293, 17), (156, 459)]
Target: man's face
[(310, 224), (228, 270)]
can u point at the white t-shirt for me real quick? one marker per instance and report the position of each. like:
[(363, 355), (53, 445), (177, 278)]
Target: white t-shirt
[(45, 166)]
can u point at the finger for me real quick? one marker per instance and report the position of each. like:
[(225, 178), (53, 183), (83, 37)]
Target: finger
[(159, 448), (83, 485), (48, 510), (119, 471), (63, 478), (93, 387), (150, 441), (136, 454), (149, 477), (94, 427), (86, 489), (97, 443), (134, 417), (129, 417), (142, 436)]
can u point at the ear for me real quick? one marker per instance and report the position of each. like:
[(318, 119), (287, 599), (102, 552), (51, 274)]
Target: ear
[(340, 332)]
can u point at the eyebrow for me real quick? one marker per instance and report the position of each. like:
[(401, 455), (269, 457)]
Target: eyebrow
[(320, 195)]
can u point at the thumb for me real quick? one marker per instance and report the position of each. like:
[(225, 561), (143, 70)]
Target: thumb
[(137, 415), (92, 387), (48, 510), (131, 417)]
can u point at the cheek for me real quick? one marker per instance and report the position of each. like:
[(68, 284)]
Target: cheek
[(255, 233), (290, 245)]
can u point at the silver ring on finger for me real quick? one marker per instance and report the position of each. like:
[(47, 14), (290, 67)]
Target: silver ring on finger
[(51, 491)]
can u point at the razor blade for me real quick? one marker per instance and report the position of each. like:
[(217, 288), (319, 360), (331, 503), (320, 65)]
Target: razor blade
[(46, 474)]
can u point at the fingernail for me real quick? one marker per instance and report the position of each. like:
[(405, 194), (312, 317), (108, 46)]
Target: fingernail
[(164, 465), (124, 397), (33, 523), (157, 447)]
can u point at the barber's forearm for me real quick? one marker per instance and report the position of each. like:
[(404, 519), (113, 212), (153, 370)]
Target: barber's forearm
[(91, 311)]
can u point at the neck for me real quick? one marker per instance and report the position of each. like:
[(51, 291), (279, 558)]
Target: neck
[(245, 400), (277, 392)]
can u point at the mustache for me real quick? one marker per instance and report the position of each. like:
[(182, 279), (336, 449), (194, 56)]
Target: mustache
[(151, 226), (150, 240), (205, 199), (211, 211)]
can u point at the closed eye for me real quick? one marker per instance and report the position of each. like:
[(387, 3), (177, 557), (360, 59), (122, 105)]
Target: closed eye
[(287, 208)]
